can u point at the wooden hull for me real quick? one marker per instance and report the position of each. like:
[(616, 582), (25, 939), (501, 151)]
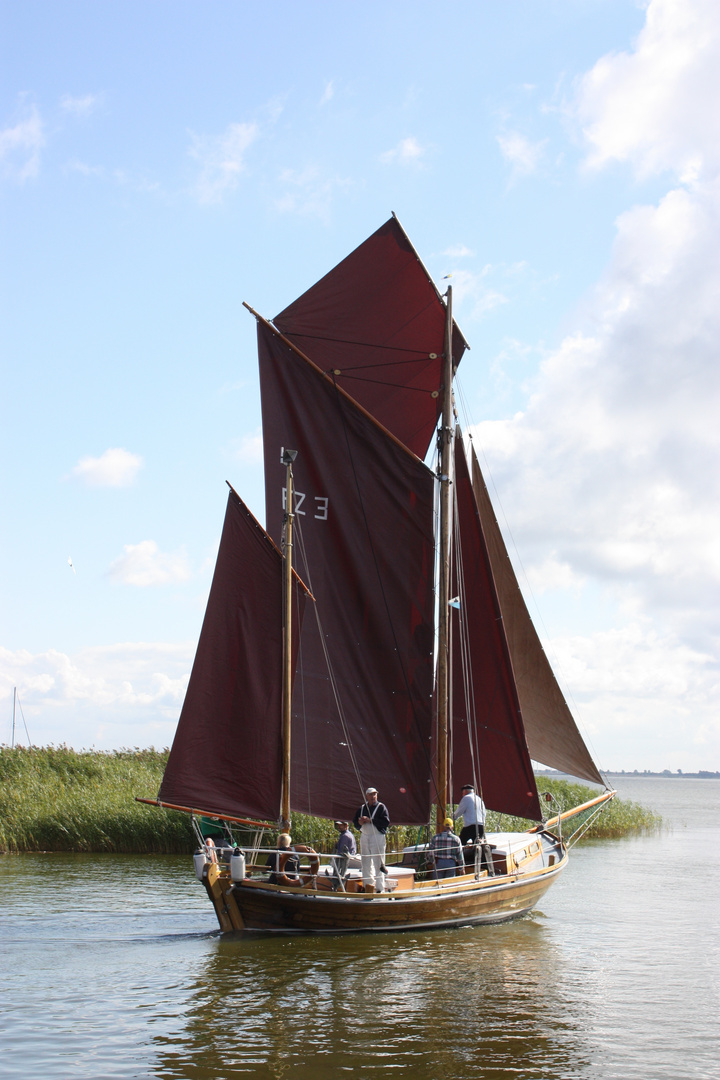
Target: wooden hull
[(259, 906)]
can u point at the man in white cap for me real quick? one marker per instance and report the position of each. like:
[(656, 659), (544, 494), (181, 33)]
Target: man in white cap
[(373, 821)]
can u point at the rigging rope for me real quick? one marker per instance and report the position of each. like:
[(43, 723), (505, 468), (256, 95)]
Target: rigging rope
[(379, 382), (367, 345)]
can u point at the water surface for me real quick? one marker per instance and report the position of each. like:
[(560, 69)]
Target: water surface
[(112, 966)]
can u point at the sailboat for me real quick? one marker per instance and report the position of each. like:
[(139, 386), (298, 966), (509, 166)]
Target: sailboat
[(397, 652)]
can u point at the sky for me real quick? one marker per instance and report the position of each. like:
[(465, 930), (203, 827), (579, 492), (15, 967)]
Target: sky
[(160, 163)]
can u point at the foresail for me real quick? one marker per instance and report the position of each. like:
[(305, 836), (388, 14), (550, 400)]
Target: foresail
[(364, 511), (377, 321), (226, 756), (552, 734), (488, 740)]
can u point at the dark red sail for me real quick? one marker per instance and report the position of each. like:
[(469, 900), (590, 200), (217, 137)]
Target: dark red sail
[(226, 755), (488, 739), (364, 516), (551, 732), (378, 322)]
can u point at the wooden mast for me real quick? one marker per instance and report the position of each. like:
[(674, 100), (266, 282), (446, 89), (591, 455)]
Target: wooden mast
[(444, 470), (288, 456)]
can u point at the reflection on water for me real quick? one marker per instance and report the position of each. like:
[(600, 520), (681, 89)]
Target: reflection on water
[(111, 967), (447, 1003)]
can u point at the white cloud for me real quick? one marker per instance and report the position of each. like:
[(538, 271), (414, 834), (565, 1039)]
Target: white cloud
[(135, 181), (21, 146), (553, 573), (458, 251), (520, 152), (645, 695), (328, 93), (108, 696), (80, 106), (309, 192), (407, 152), (656, 107), (115, 468), (249, 448), (614, 461), (83, 168), (222, 160), (144, 564), (611, 471), (472, 292), (618, 448)]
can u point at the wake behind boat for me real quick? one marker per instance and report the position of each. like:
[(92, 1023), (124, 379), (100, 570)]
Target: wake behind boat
[(402, 656)]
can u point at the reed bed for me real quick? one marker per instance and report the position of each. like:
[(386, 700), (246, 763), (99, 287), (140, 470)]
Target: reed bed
[(620, 817), (58, 799)]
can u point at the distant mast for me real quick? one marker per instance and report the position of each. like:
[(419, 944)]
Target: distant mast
[(444, 471)]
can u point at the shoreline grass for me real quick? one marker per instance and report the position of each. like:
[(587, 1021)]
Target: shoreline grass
[(56, 799)]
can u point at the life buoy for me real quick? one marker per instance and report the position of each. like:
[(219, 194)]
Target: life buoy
[(282, 860), (314, 860)]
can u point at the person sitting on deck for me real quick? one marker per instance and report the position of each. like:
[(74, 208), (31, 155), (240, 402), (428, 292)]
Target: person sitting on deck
[(446, 851), (285, 863)]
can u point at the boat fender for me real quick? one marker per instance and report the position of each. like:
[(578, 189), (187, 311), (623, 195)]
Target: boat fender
[(237, 865), (200, 860)]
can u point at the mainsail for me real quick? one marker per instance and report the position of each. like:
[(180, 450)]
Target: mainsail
[(364, 518), (377, 323), (226, 755), (488, 740)]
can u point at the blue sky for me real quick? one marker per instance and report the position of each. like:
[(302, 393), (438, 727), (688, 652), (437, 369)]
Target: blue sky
[(161, 163)]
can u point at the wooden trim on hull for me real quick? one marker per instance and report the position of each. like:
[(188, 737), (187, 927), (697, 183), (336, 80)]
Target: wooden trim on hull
[(262, 907)]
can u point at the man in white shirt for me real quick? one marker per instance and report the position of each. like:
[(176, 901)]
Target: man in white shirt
[(471, 809)]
